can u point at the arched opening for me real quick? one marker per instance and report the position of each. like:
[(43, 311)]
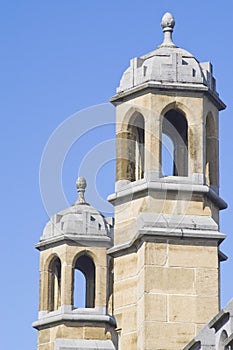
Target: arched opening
[(175, 128), (84, 282), (136, 149), (54, 284), (211, 166), (79, 289), (167, 156)]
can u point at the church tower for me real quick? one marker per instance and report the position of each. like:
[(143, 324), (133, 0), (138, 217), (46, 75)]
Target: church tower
[(74, 242), (166, 234)]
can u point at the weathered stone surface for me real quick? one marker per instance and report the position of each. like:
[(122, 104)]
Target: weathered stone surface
[(169, 280), (192, 309), (155, 307), (127, 319), (156, 254), (190, 255), (167, 336), (128, 341), (126, 266), (207, 281), (125, 292)]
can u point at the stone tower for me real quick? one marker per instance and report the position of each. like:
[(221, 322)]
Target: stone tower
[(166, 233), (156, 283), (75, 239)]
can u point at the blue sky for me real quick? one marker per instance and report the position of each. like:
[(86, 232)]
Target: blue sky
[(57, 58)]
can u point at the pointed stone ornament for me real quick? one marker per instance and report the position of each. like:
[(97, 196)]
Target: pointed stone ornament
[(81, 185), (168, 23)]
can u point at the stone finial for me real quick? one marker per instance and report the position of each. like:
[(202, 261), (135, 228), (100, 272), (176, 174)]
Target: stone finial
[(81, 185), (168, 23)]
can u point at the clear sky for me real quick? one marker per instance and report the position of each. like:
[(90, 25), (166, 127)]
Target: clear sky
[(57, 58)]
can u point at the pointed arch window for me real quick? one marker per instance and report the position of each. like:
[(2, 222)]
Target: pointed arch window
[(54, 284), (84, 282), (175, 129), (136, 148)]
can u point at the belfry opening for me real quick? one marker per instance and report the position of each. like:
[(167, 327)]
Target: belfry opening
[(175, 127)]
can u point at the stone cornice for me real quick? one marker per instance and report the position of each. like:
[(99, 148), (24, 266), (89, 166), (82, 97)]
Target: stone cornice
[(153, 234), (141, 187), (49, 321), (79, 240), (152, 86)]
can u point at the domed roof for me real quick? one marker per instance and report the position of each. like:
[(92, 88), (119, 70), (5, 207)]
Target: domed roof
[(78, 222), (168, 65)]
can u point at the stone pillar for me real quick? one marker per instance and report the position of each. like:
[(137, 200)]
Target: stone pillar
[(67, 284)]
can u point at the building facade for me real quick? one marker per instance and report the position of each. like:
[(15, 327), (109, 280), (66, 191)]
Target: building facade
[(152, 280)]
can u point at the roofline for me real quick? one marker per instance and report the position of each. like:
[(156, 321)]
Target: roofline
[(152, 86)]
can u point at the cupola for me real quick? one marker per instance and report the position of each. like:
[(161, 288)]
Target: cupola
[(168, 66), (76, 279), (79, 222)]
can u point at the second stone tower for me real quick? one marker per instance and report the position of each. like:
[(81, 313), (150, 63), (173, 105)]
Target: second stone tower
[(166, 236)]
